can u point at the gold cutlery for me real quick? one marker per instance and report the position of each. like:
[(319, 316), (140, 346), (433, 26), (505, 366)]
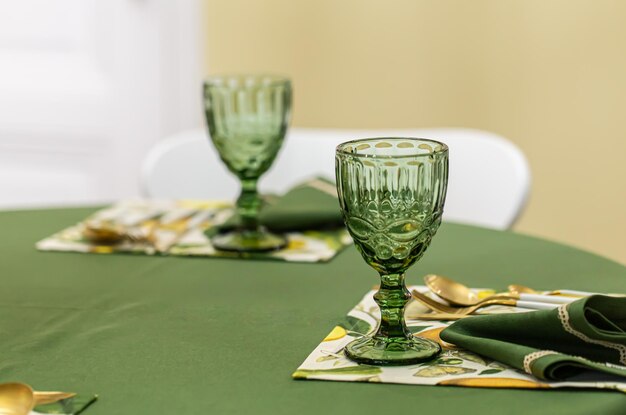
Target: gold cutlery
[(522, 289), (111, 233), (436, 316), (159, 233), (443, 308), (458, 294), (19, 398), (16, 399)]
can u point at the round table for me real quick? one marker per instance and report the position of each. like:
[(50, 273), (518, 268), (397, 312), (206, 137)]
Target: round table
[(218, 336)]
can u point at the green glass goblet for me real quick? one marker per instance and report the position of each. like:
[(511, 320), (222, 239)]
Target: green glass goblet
[(247, 116), (391, 192)]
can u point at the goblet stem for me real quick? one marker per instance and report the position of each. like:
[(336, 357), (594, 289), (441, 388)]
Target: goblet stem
[(248, 205), (392, 298), (249, 236), (393, 343)]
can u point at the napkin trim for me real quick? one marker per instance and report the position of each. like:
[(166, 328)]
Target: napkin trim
[(530, 358), (565, 322)]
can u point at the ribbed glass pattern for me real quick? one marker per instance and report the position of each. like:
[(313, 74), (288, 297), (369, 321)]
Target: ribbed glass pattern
[(247, 118), (392, 193)]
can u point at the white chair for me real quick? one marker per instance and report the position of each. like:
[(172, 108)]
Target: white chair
[(488, 185)]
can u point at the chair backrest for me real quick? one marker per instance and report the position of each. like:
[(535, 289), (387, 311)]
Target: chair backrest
[(488, 184)]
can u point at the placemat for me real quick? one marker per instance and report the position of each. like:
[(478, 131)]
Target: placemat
[(178, 228), (454, 367)]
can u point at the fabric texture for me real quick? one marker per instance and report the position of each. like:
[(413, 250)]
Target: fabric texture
[(580, 340), (174, 335), (310, 205)]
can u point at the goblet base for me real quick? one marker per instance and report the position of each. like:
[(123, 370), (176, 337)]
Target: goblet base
[(248, 241), (387, 351)]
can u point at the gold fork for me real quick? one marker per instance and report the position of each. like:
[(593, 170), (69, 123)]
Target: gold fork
[(435, 316), (442, 308)]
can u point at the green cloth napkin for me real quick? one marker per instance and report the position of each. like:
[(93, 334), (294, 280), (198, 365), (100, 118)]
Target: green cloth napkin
[(310, 205), (578, 341)]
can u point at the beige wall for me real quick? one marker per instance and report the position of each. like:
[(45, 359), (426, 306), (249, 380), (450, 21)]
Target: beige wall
[(548, 74)]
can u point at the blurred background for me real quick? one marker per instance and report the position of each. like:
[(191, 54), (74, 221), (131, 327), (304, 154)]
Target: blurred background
[(88, 86)]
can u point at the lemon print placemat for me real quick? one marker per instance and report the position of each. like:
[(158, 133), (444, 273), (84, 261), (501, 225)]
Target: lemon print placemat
[(180, 228), (454, 366)]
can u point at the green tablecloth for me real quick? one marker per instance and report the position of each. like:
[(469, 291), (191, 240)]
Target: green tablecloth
[(218, 336)]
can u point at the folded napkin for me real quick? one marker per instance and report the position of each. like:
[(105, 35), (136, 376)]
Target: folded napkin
[(308, 206), (581, 341)]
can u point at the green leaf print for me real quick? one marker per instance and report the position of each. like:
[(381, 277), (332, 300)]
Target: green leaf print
[(444, 361), (438, 371), (490, 371), (450, 361), (471, 357), (354, 324), (351, 370), (497, 365), (325, 358)]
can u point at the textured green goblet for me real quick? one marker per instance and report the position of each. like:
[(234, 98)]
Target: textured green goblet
[(391, 193), (247, 116)]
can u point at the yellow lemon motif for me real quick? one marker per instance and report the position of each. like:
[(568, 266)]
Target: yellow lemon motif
[(337, 333), (102, 249), (293, 244)]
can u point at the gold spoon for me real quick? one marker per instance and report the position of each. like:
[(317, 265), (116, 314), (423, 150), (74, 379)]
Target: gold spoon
[(451, 291), (442, 308), (19, 398), (458, 294), (16, 399)]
